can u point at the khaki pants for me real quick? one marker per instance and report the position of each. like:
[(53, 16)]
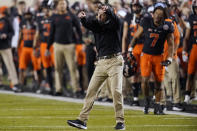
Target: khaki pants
[(105, 90), (171, 81), (111, 69), (65, 53), (9, 62)]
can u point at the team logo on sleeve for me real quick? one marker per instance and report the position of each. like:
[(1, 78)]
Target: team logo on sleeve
[(165, 27), (1, 25)]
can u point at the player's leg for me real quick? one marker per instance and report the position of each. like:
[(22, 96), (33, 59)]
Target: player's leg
[(47, 64), (25, 57), (146, 69), (81, 61), (191, 73), (158, 71), (36, 61), (136, 81)]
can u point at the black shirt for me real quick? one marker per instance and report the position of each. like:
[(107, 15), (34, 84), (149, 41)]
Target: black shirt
[(193, 29), (62, 29), (5, 28), (107, 35), (155, 36), (44, 25)]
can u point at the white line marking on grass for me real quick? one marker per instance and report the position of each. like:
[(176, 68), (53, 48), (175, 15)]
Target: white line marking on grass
[(93, 127), (59, 117), (52, 127), (80, 101), (178, 118), (170, 125), (39, 109)]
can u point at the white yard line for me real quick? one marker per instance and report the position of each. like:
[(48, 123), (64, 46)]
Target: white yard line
[(93, 127), (80, 101), (71, 116), (178, 118)]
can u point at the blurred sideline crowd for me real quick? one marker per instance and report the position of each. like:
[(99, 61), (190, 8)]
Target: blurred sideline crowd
[(30, 56)]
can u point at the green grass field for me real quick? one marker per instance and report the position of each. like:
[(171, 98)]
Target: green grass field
[(27, 113)]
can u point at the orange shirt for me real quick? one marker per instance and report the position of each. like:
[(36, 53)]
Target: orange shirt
[(176, 40)]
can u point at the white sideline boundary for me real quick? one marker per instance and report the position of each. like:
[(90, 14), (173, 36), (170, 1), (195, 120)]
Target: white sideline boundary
[(92, 127), (80, 101)]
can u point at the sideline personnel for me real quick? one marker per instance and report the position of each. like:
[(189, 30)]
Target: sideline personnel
[(106, 29)]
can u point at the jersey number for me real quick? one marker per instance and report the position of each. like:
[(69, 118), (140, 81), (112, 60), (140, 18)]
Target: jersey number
[(47, 27), (156, 37), (28, 34)]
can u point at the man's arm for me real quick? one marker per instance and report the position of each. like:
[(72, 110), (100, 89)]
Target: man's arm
[(136, 36), (113, 17), (124, 37), (52, 35), (170, 41), (78, 27), (19, 39), (16, 32), (36, 38), (90, 24), (186, 39), (176, 38)]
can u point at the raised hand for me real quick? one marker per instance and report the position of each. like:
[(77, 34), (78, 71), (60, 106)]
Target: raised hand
[(82, 14)]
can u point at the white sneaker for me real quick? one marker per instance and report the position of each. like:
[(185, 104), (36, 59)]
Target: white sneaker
[(16, 89), (174, 108), (38, 91), (187, 99)]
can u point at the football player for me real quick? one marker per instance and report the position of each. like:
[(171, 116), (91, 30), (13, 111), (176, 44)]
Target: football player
[(42, 34), (156, 31), (130, 27), (191, 36), (27, 34)]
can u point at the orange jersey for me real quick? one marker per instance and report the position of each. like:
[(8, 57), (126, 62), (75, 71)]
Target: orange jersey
[(28, 30), (80, 54), (176, 40), (133, 27)]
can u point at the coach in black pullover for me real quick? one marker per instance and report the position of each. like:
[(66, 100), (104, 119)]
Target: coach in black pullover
[(62, 28), (107, 34), (106, 29), (6, 33), (61, 34)]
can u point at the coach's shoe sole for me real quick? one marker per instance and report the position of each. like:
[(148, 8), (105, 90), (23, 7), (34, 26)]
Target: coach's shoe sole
[(76, 124)]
